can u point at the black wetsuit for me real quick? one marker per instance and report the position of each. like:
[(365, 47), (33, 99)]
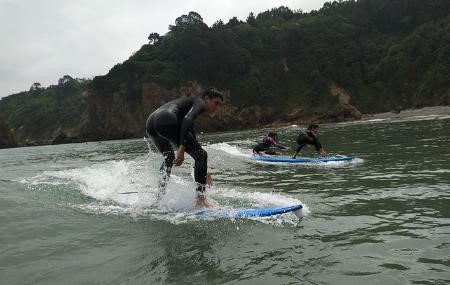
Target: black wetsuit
[(308, 138), (173, 123)]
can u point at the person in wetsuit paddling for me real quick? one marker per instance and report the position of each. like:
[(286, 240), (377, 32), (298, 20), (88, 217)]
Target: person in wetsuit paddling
[(309, 137), (173, 123), (265, 147)]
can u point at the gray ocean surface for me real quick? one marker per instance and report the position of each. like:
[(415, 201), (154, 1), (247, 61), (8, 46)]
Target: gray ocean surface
[(80, 213)]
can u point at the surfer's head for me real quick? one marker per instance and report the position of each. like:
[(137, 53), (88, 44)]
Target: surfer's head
[(273, 135), (213, 99), (212, 93), (313, 127)]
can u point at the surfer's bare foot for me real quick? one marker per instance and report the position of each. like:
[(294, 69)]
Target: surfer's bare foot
[(202, 202)]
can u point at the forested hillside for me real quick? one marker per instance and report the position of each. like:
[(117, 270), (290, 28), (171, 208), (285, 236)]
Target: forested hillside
[(280, 65), (6, 137)]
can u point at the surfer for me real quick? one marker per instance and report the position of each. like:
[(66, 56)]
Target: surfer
[(173, 123), (309, 138), (265, 147)]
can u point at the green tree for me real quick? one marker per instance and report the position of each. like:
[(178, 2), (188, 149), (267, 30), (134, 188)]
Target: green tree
[(154, 38), (35, 86)]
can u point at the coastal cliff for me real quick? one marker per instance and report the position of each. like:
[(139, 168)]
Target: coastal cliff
[(6, 137), (278, 67)]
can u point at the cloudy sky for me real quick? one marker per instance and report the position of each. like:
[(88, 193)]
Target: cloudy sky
[(47, 39)]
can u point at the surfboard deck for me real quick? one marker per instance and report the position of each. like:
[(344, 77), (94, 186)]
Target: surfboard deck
[(247, 213), (301, 159)]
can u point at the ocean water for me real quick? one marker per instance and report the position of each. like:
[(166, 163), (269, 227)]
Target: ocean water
[(80, 213)]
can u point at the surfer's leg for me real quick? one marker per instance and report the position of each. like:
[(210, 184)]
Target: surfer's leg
[(200, 157), (200, 168), (164, 147), (299, 148), (301, 141), (259, 149), (162, 128), (165, 170)]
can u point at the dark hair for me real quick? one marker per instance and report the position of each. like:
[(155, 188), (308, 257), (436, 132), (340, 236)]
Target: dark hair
[(273, 136), (213, 93), (313, 126)]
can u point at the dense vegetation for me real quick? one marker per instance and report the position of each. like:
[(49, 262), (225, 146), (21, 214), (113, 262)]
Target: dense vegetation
[(386, 54), (40, 113), (6, 137)]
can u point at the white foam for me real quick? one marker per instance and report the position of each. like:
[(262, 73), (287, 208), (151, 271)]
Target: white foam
[(129, 188), (400, 119), (230, 149), (375, 120)]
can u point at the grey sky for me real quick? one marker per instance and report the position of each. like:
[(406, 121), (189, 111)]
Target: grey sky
[(47, 39)]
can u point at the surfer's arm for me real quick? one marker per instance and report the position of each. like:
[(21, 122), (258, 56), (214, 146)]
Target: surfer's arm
[(274, 143), (197, 108), (317, 144)]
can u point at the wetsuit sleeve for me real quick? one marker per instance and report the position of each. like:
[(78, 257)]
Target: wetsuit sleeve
[(317, 143), (197, 108), (274, 143), (314, 140)]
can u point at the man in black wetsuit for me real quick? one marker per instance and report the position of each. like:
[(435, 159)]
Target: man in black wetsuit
[(309, 137), (173, 123)]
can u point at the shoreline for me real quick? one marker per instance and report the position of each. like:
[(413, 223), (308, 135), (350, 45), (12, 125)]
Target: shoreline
[(426, 111), (407, 113)]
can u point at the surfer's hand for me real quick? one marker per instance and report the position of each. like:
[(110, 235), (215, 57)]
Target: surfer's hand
[(178, 161), (209, 180), (180, 156)]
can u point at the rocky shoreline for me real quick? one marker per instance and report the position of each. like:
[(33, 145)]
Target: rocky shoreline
[(407, 113), (289, 119), (426, 111)]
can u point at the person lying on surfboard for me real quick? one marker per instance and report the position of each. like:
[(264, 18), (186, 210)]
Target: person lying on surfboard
[(265, 147), (173, 123), (309, 138)]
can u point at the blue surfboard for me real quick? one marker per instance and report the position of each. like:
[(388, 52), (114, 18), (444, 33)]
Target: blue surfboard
[(301, 159), (246, 213)]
